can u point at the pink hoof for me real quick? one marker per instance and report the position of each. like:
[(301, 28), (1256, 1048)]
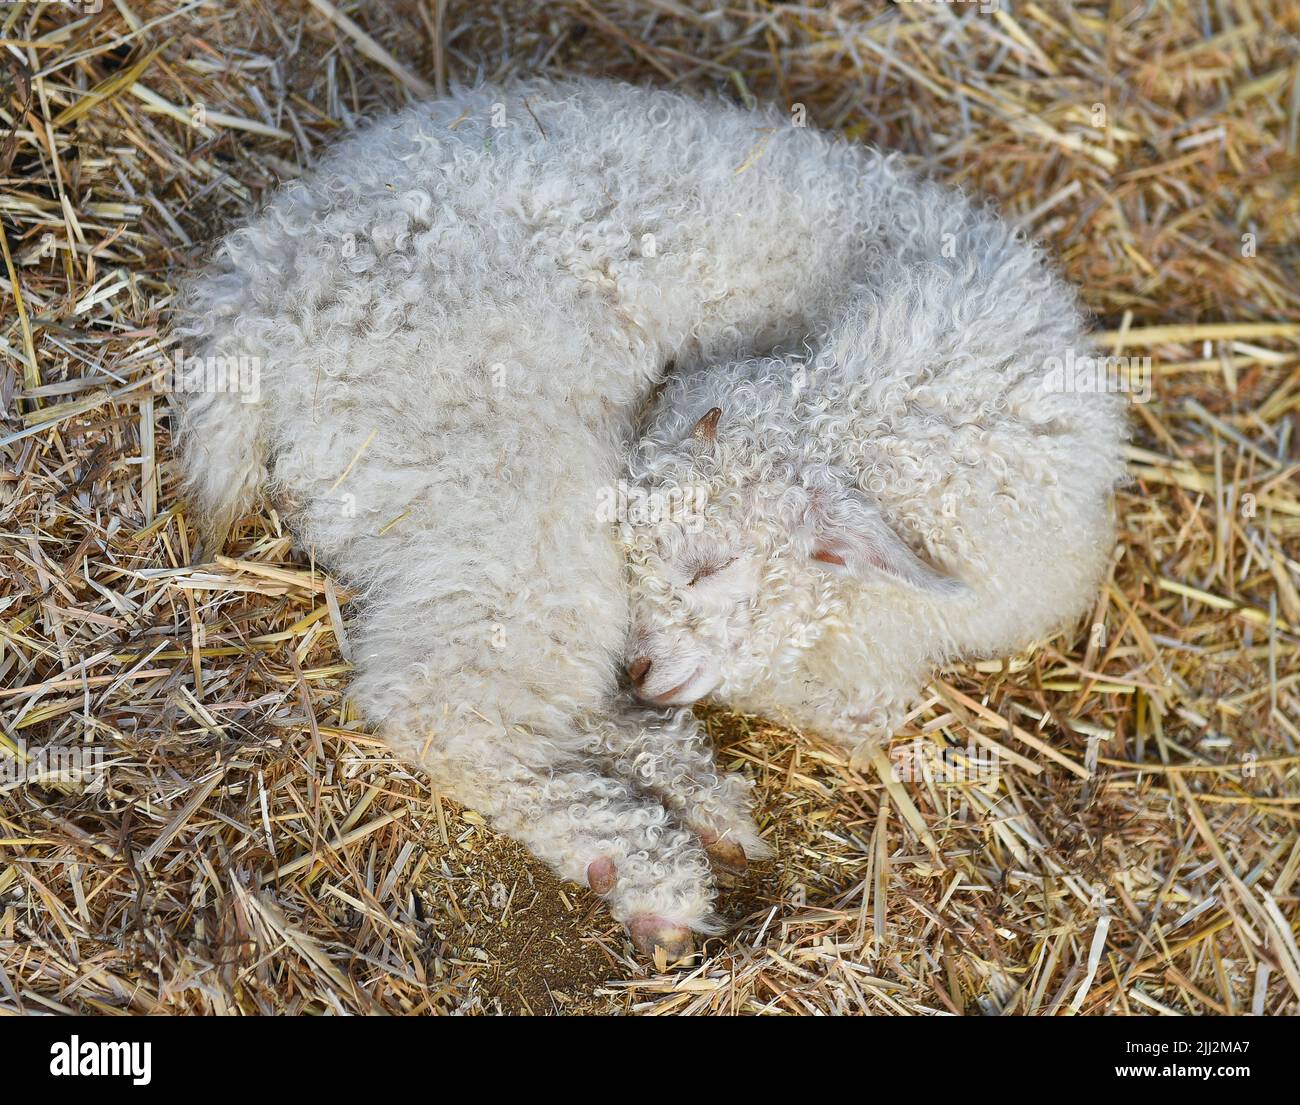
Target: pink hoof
[(728, 855), (601, 875), (654, 936)]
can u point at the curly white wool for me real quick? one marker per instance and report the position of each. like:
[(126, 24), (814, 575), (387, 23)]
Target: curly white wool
[(457, 314), (909, 489)]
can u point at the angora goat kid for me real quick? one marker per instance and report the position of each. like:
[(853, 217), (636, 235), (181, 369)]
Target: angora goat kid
[(457, 315), (917, 488)]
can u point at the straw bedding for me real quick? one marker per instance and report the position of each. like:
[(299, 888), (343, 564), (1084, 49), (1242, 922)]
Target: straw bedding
[(1105, 825)]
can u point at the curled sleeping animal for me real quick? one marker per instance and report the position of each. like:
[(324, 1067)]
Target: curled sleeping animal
[(458, 314)]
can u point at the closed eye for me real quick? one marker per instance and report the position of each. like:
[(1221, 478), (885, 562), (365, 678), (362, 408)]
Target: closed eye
[(710, 570)]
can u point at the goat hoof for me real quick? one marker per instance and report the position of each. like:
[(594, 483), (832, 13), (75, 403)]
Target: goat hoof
[(728, 855), (654, 937), (601, 875)]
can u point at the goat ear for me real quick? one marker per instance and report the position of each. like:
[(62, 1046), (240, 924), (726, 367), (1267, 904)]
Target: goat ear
[(850, 538), (706, 429)]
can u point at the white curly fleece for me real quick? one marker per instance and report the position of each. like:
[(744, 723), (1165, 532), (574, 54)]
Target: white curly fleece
[(921, 445), (457, 322)]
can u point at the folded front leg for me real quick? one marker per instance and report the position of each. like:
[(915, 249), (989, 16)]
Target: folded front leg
[(667, 752), (587, 825)]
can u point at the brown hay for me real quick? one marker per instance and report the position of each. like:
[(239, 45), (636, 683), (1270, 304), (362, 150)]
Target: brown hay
[(252, 849)]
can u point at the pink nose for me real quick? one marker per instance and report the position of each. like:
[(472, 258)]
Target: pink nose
[(637, 670)]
